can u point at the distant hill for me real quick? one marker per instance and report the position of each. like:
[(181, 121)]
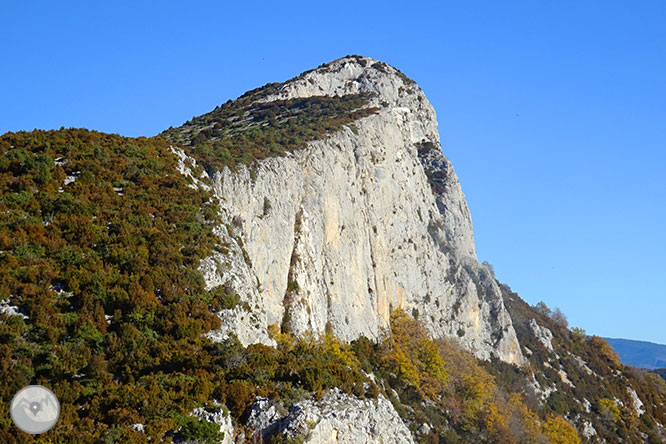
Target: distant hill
[(641, 354)]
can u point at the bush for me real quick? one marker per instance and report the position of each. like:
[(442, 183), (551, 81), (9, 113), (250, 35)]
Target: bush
[(605, 350), (609, 410), (193, 429), (559, 431)]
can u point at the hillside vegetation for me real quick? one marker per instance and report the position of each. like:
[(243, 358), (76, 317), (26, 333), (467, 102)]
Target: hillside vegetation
[(245, 130), (101, 239), (582, 378), (100, 242), (104, 270), (661, 372)]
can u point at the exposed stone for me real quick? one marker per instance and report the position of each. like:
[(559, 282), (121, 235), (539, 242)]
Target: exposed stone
[(11, 310), (338, 418), (220, 417), (367, 219), (185, 166), (265, 415), (565, 377), (636, 401), (587, 430), (424, 429), (71, 178), (582, 364), (542, 392), (544, 335)]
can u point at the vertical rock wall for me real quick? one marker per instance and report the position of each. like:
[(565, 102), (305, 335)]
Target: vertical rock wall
[(369, 218)]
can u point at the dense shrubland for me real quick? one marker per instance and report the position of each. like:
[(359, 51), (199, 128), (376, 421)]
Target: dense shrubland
[(661, 372), (105, 269), (427, 381), (438, 383)]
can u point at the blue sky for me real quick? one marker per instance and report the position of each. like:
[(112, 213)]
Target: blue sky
[(553, 113)]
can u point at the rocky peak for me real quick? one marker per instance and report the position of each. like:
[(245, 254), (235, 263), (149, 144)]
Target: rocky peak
[(353, 75), (393, 91), (336, 232)]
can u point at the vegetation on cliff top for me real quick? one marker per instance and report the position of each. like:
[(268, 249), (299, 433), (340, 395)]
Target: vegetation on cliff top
[(244, 130)]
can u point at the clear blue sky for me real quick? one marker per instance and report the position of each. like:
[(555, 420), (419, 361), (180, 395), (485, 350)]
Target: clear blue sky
[(553, 113)]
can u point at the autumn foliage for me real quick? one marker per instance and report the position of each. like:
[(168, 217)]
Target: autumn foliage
[(432, 377)]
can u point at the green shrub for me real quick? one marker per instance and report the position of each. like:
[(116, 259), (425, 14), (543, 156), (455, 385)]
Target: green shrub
[(193, 429), (292, 285)]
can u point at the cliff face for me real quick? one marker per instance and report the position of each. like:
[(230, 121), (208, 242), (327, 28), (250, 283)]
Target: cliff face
[(370, 217)]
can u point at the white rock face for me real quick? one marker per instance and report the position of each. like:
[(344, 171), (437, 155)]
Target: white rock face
[(565, 377), (542, 392), (356, 222), (185, 165), (337, 418), (636, 401), (544, 335), (71, 178), (587, 430)]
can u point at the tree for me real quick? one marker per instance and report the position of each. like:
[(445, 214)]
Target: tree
[(412, 356), (559, 431), (542, 308), (559, 318), (578, 333), (605, 350)]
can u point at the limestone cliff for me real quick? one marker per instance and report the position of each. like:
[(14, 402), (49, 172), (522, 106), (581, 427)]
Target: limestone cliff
[(368, 218)]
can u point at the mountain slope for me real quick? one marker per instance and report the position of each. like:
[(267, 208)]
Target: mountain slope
[(661, 372), (582, 378), (296, 266), (100, 240)]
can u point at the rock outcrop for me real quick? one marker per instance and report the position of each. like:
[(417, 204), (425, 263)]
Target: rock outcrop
[(369, 218), (338, 417), (544, 335), (217, 416)]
